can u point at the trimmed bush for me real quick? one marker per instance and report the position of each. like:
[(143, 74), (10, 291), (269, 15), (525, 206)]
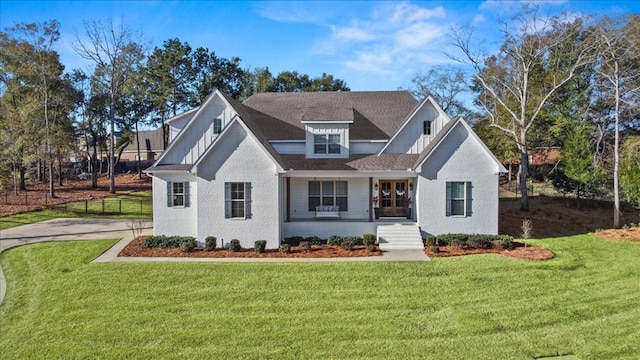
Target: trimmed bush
[(234, 245), (210, 243), (285, 248), (335, 240), (188, 245), (355, 240), (347, 245), (477, 242), (369, 239), (305, 246), (457, 243), (314, 240), (506, 242), (371, 248), (435, 249), (430, 241), (166, 242), (259, 246), (293, 240)]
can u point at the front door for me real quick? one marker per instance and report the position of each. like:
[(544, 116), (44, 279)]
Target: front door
[(392, 198)]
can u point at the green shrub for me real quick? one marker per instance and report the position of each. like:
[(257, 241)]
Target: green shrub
[(334, 240), (210, 243), (234, 245), (259, 246), (430, 241), (293, 240), (347, 245), (355, 240), (478, 242), (457, 243), (506, 242), (314, 240), (285, 248), (166, 242), (435, 249), (305, 246), (188, 245), (371, 248), (369, 239)]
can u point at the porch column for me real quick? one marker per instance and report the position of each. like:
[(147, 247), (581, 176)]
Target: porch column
[(370, 197), (288, 196)]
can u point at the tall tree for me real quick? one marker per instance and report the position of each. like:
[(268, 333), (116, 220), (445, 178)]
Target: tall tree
[(213, 72), (106, 45), (619, 74), (527, 71), (630, 169), (28, 51), (446, 84)]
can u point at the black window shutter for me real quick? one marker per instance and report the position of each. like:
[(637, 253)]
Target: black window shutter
[(169, 191), (469, 199), (247, 200), (227, 200), (186, 193), (448, 202)]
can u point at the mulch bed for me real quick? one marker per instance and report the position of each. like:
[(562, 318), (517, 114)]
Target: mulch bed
[(629, 234), (136, 248), (519, 252)]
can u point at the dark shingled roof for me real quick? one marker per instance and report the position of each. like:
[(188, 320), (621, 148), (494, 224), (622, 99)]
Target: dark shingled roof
[(385, 162), (154, 138), (375, 114), (300, 162), (170, 167)]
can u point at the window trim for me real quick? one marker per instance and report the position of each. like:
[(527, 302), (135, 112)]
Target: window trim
[(321, 196), (327, 144), (217, 126), (425, 127), (229, 200), (172, 194), (466, 198)]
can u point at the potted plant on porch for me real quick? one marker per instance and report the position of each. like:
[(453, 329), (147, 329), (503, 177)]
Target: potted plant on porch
[(376, 210), (407, 203)]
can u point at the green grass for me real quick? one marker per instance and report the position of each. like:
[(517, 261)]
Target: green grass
[(124, 206), (584, 302)]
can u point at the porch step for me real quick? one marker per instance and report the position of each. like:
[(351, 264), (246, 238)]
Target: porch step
[(399, 237)]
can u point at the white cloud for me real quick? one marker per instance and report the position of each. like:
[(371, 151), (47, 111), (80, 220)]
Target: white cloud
[(394, 38)]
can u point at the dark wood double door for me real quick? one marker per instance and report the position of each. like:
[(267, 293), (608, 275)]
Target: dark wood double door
[(393, 194)]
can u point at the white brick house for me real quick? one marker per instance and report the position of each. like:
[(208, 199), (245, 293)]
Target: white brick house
[(324, 163)]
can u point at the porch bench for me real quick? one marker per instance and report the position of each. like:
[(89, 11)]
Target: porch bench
[(327, 212)]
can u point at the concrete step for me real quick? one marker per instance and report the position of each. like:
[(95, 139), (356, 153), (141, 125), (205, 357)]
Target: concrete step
[(399, 237)]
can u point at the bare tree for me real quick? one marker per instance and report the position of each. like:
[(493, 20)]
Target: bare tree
[(445, 84), (619, 75), (106, 44), (535, 60)]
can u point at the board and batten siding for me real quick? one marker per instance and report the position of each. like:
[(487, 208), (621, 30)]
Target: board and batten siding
[(411, 140), (239, 158), (198, 135), (459, 158), (178, 220), (357, 191)]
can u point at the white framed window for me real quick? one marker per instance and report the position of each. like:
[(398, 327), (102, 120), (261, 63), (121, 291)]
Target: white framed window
[(326, 144), (328, 193), (237, 200), (177, 194), (426, 128), (459, 199), (217, 126)]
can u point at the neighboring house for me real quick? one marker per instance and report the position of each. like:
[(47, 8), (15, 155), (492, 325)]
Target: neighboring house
[(150, 146), (323, 164)]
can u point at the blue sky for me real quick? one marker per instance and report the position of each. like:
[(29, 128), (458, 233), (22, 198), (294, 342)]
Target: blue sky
[(372, 45)]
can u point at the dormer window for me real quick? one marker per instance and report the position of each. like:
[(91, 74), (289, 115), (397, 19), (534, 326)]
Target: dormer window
[(426, 128), (217, 126), (326, 144)]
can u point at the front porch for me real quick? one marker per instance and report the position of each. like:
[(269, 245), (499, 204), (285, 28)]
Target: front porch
[(343, 227)]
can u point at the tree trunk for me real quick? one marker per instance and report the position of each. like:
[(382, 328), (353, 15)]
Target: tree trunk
[(138, 149), (616, 154), (523, 171), (23, 185), (94, 164), (112, 141), (59, 168)]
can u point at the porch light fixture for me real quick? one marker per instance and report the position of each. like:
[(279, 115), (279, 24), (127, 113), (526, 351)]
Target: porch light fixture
[(411, 186), (375, 186)]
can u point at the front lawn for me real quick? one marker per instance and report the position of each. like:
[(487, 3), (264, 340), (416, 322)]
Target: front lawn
[(583, 302)]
